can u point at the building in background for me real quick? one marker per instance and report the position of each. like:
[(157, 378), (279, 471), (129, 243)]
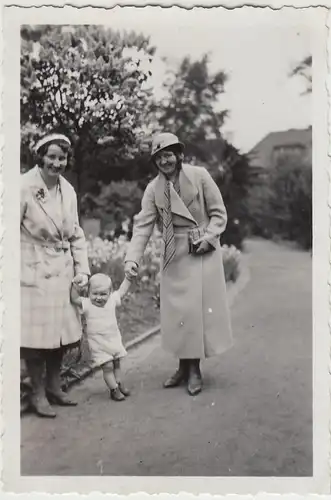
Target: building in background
[(265, 155)]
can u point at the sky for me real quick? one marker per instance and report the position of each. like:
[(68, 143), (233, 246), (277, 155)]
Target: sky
[(257, 48)]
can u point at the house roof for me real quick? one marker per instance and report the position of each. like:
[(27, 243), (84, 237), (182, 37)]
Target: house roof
[(260, 156)]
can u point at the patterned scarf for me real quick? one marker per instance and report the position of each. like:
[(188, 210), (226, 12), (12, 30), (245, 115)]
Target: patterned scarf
[(168, 228)]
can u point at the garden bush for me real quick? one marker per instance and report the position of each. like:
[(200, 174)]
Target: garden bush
[(281, 207)]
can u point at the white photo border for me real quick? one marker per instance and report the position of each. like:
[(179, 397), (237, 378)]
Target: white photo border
[(12, 18)]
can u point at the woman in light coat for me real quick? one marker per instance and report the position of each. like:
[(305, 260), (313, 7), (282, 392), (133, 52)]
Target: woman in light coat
[(53, 253), (187, 205)]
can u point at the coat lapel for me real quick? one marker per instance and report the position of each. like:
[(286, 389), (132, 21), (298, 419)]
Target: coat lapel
[(178, 203), (188, 189), (66, 194), (42, 197)]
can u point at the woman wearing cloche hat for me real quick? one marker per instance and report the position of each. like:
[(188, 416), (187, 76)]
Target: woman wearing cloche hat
[(188, 208), (53, 253)]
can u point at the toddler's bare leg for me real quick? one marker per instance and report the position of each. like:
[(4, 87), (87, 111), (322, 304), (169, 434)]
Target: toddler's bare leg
[(118, 376), (117, 370), (109, 375)]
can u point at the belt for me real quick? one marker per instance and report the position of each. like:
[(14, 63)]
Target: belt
[(62, 246), (58, 246)]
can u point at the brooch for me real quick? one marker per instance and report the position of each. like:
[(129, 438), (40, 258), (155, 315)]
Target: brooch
[(41, 195)]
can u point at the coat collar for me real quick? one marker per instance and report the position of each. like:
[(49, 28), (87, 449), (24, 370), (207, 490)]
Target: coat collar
[(188, 191), (41, 195)]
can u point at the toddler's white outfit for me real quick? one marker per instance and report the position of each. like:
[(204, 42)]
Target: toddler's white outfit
[(104, 337)]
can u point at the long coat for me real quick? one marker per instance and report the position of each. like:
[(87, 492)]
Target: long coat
[(195, 321), (53, 250)]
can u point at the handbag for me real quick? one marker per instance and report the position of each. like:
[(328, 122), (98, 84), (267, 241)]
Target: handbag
[(194, 236)]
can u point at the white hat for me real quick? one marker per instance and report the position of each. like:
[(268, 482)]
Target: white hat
[(164, 140), (51, 138)]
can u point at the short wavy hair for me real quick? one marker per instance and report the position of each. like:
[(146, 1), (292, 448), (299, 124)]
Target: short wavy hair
[(175, 148)]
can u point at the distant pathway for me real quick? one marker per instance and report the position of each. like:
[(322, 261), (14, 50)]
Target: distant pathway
[(254, 416)]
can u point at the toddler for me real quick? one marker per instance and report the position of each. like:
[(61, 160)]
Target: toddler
[(103, 334)]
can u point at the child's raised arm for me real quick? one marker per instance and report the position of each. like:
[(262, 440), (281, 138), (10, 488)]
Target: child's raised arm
[(75, 296), (124, 288)]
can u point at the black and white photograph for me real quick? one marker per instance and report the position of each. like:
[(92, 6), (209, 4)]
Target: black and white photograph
[(170, 234)]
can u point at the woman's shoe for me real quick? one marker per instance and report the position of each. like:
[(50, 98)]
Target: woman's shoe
[(124, 390), (194, 385), (41, 407), (178, 377), (117, 395), (38, 399), (60, 398)]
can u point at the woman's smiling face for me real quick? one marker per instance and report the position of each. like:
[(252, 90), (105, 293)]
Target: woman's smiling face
[(55, 161), (166, 161)]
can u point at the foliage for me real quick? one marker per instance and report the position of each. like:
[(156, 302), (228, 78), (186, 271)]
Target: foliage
[(116, 203), (189, 110), (231, 262), (304, 70), (283, 206), (84, 81)]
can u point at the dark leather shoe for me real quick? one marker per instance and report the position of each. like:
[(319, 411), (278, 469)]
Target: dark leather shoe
[(42, 407), (124, 390), (60, 398), (176, 379), (117, 395), (194, 385)]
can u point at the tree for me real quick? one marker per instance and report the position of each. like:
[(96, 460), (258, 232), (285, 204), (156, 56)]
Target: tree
[(116, 203), (85, 82), (189, 110), (304, 70)]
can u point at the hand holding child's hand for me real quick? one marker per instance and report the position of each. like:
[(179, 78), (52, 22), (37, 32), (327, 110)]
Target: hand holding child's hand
[(80, 281), (131, 270)]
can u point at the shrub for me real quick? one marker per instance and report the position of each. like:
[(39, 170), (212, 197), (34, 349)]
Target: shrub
[(234, 234), (291, 202), (115, 205), (282, 206), (231, 262)]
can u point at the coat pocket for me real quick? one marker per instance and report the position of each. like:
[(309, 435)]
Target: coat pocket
[(56, 263), (30, 265)]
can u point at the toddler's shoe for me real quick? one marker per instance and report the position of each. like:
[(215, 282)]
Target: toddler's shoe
[(117, 395), (124, 390)]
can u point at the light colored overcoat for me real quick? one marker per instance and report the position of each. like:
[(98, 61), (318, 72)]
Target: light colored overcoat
[(53, 250), (195, 321)]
